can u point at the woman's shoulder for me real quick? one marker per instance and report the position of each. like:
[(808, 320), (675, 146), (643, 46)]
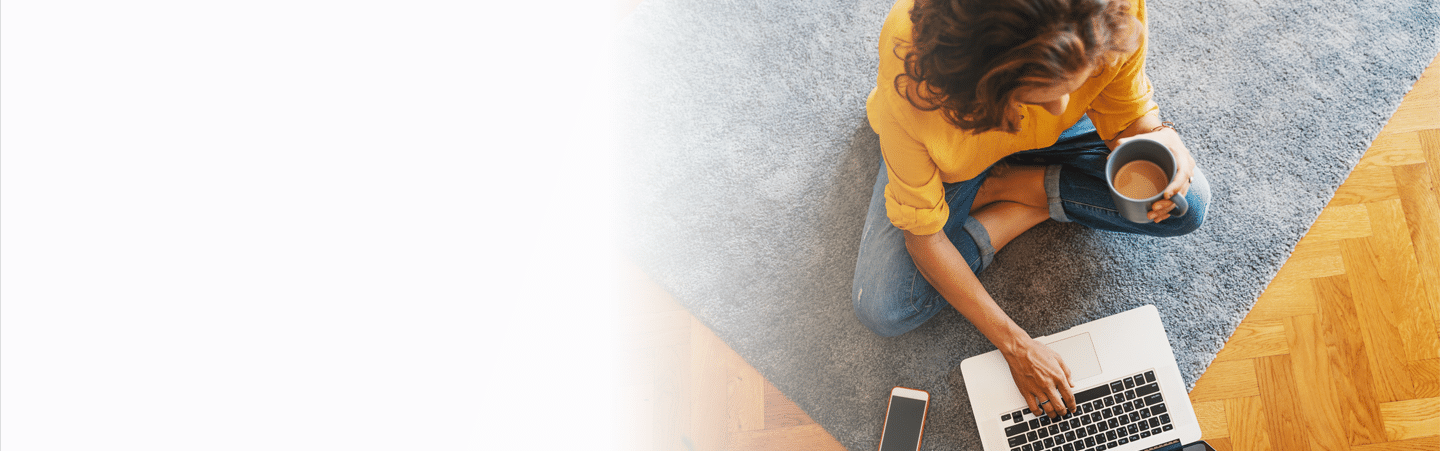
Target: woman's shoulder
[(895, 42), (1137, 7), (900, 12), (897, 32)]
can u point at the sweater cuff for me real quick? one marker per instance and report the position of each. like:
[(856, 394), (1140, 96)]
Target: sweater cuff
[(919, 221)]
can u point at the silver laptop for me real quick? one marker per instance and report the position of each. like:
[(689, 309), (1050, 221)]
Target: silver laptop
[(1128, 392)]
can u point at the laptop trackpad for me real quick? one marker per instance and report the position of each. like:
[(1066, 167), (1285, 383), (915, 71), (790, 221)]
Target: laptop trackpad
[(1079, 354)]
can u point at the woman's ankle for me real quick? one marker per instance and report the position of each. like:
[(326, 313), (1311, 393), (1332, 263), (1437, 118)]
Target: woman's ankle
[(1006, 220), (1019, 184)]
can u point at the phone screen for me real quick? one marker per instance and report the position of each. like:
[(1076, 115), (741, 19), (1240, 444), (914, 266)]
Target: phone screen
[(1201, 446), (902, 424)]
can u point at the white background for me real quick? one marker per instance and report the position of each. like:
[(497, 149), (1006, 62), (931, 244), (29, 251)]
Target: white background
[(305, 225)]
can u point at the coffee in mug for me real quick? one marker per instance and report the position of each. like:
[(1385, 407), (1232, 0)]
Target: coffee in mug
[(1140, 179), (1138, 172)]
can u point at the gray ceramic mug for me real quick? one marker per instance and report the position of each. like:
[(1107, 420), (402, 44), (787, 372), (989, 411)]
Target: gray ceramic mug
[(1142, 149)]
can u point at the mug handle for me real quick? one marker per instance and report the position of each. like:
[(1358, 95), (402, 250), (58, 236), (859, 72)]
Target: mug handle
[(1181, 205)]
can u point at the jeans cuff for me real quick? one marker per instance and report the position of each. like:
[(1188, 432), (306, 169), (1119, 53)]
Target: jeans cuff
[(1052, 193), (982, 241)]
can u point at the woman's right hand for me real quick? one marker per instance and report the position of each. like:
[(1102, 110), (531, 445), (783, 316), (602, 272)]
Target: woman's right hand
[(1039, 372), (1042, 377)]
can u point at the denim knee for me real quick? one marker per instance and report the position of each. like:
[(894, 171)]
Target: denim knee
[(891, 312), (872, 313)]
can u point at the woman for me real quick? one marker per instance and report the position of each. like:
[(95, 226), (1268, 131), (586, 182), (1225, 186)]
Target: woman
[(993, 116)]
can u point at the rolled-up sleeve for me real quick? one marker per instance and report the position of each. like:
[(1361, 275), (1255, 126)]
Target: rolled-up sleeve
[(915, 195), (1126, 99)]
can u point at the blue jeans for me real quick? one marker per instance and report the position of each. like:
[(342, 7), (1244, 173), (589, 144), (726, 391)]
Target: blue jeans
[(890, 295)]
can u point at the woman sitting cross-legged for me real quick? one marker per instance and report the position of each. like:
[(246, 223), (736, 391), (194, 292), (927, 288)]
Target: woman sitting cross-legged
[(993, 116)]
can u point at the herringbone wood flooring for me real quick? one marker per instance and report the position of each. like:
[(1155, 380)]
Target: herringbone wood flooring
[(1341, 352)]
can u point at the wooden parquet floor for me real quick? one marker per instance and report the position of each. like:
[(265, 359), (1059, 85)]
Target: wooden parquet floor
[(1341, 352)]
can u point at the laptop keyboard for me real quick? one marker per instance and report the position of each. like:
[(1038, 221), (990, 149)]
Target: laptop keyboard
[(1107, 416)]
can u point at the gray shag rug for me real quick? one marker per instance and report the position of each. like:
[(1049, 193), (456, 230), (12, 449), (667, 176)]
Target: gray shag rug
[(748, 163)]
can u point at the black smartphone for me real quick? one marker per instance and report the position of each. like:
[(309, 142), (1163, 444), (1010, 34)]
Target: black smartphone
[(905, 419)]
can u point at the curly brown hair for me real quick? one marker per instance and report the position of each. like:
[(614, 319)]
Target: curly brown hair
[(968, 57)]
